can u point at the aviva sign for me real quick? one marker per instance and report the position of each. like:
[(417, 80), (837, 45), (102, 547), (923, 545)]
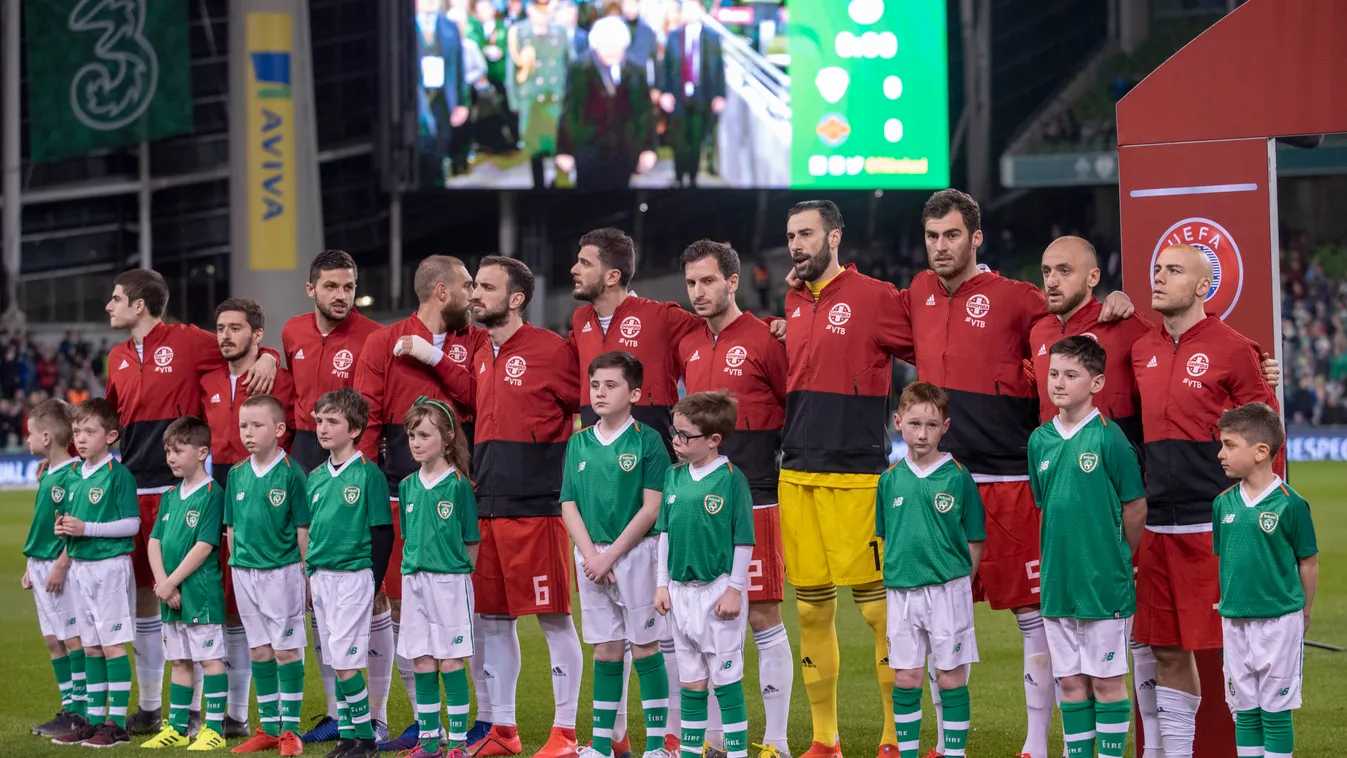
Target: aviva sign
[(272, 229)]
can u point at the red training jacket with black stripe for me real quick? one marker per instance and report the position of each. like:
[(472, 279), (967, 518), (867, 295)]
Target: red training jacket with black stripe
[(527, 396), (974, 344), (840, 353), (153, 393), (391, 384), (220, 404), (746, 359), (1185, 387), (320, 363)]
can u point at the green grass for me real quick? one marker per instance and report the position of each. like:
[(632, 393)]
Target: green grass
[(28, 693)]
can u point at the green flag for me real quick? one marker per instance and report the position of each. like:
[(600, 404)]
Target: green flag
[(105, 73)]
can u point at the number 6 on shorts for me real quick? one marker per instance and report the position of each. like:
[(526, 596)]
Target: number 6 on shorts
[(542, 594)]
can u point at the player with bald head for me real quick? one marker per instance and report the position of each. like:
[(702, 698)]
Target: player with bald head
[(1188, 372)]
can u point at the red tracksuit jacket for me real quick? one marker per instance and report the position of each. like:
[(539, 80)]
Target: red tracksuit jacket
[(319, 364), (220, 403), (152, 394), (392, 384), (1185, 386), (527, 396), (751, 363)]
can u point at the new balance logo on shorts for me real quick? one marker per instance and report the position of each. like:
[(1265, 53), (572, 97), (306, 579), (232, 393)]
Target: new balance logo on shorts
[(649, 623), (117, 627), (727, 665), (1107, 657), (1283, 692), (353, 651), (210, 643), (458, 640), (289, 633), (959, 646)]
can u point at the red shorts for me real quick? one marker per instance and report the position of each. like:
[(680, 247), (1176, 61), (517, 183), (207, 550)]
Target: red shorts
[(393, 578), (523, 567), (1178, 589), (140, 557), (767, 570), (1008, 574)]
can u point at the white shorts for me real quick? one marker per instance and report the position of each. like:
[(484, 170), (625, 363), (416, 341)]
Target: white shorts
[(271, 606), (104, 598), (625, 610), (706, 646), (1093, 647), (1264, 662), (436, 616), (936, 621), (193, 642), (56, 613), (342, 603)]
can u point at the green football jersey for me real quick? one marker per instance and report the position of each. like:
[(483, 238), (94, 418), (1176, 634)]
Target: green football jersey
[(705, 520), (926, 519), (439, 521), (1080, 479), (186, 518), (265, 506), (1260, 542), (607, 481), (43, 544), (104, 494), (343, 504)]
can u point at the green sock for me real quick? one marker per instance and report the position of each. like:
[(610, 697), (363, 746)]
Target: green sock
[(1111, 721), (79, 697), (428, 709), (345, 729), (357, 705), (955, 721), (694, 721), (654, 679), (215, 690), (62, 668), (268, 696), (1249, 732), (1078, 728), (291, 679), (179, 705), (96, 667), (907, 720), (1279, 736), (119, 688), (607, 693), (734, 717), (456, 705)]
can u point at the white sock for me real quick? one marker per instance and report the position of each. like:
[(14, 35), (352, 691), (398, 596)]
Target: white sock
[(381, 655), (1039, 686), (673, 724), (1143, 681), (715, 733), (198, 679), (406, 671), (936, 701), (325, 671), (150, 661), (239, 668), (568, 663), (482, 693), (501, 663), (776, 674), (620, 723), (1177, 714)]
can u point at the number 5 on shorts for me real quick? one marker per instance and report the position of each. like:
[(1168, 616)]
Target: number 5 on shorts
[(542, 594)]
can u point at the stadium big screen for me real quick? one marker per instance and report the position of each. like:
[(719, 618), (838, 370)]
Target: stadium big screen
[(610, 94)]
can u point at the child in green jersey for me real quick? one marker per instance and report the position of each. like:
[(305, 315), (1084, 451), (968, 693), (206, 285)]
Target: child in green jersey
[(350, 541), (1087, 482), (100, 522), (610, 493), (705, 547), (929, 515), (439, 530), (49, 438), (184, 557), (1262, 532), (266, 516)]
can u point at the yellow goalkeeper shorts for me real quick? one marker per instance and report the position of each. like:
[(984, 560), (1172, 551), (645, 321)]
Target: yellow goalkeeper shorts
[(829, 532)]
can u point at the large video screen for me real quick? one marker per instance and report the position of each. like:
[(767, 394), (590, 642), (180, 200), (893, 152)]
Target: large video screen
[(614, 94)]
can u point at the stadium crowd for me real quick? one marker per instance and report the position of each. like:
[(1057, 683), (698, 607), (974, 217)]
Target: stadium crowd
[(30, 373)]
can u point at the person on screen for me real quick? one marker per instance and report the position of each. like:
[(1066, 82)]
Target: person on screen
[(607, 126), (440, 52), (536, 80), (568, 16), (495, 127), (692, 90), (644, 47)]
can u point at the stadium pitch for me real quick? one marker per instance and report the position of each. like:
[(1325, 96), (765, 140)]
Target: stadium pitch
[(28, 693)]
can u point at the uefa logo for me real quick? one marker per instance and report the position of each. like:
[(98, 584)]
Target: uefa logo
[(1227, 267)]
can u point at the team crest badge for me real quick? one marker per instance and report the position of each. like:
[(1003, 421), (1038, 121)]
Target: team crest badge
[(444, 508), (1088, 462), (1267, 521), (95, 495), (943, 502), (627, 461), (713, 504), (192, 518), (1227, 266), (351, 494), (277, 497), (57, 494)]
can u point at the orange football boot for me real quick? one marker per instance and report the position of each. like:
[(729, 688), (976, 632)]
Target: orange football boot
[(500, 741), (820, 750), (291, 745), (561, 743)]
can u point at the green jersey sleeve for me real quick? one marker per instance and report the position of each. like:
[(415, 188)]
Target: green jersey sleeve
[(404, 496), (742, 526), (296, 493), (471, 534), (157, 533), (1033, 469), (377, 509), (124, 492), (974, 516), (654, 460), (1123, 469), (662, 520), (568, 472), (209, 526), (879, 509), (1302, 539), (1216, 523)]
